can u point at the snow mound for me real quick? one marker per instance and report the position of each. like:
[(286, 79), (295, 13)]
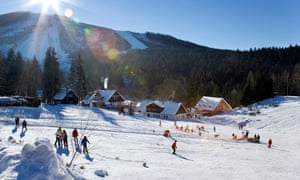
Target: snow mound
[(39, 161), (101, 173)]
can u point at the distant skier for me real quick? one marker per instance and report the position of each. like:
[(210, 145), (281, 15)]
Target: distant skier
[(258, 138), (58, 137), (214, 128), (174, 146), (75, 136), (24, 125), (17, 121), (84, 144), (269, 143), (65, 138)]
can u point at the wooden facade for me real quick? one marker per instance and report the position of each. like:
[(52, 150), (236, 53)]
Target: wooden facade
[(110, 99), (209, 106), (166, 110), (66, 96)]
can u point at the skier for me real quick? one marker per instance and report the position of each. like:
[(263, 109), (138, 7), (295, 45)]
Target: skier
[(84, 144), (58, 138), (75, 136), (258, 138), (174, 146), (214, 128), (65, 138), (269, 143), (24, 125), (17, 121)]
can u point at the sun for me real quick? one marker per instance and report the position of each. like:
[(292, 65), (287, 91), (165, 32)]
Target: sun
[(47, 4)]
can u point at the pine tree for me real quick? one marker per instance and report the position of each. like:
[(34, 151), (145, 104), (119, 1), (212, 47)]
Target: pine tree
[(249, 90), (35, 78), (77, 79), (14, 63), (3, 72), (51, 76)]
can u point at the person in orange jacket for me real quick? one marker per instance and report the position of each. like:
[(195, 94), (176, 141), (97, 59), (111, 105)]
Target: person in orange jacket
[(174, 146)]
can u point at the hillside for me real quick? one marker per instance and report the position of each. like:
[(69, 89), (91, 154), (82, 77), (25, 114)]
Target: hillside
[(141, 65), (124, 147), (31, 34)]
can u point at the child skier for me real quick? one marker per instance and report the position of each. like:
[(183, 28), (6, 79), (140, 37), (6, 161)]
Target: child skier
[(65, 138), (84, 144), (24, 125), (17, 120)]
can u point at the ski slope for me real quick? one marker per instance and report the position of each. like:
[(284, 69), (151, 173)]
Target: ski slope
[(132, 147)]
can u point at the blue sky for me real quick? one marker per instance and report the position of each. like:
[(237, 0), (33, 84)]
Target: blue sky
[(223, 24)]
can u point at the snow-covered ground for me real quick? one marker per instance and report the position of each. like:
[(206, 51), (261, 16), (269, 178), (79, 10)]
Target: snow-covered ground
[(126, 147)]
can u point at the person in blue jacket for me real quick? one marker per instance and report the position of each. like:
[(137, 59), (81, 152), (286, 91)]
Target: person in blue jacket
[(84, 144)]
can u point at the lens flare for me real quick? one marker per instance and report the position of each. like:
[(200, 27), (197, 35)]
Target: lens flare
[(87, 31), (68, 13), (113, 54), (102, 42)]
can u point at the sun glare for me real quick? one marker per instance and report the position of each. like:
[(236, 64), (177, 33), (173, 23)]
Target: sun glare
[(46, 4)]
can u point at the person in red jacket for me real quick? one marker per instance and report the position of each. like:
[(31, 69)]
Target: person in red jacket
[(269, 143), (174, 146), (75, 136)]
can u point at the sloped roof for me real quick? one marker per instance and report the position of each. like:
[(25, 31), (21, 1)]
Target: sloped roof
[(105, 94), (158, 103), (209, 103), (7, 99), (61, 94), (171, 108), (89, 98)]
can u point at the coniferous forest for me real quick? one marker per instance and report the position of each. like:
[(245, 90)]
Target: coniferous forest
[(178, 74)]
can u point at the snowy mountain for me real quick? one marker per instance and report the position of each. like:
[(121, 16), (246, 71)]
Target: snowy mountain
[(31, 34), (132, 147)]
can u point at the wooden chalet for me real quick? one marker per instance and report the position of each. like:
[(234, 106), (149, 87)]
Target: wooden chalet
[(110, 99), (164, 110), (8, 101), (209, 106), (93, 99), (66, 96)]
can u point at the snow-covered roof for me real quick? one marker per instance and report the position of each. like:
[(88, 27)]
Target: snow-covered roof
[(158, 103), (61, 94), (171, 108), (7, 99), (105, 94), (208, 103), (89, 98)]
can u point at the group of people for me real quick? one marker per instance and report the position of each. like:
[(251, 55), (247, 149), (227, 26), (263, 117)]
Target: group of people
[(24, 123), (62, 139)]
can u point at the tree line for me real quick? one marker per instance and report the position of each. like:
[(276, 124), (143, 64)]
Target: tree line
[(187, 74), (30, 78), (178, 74)]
